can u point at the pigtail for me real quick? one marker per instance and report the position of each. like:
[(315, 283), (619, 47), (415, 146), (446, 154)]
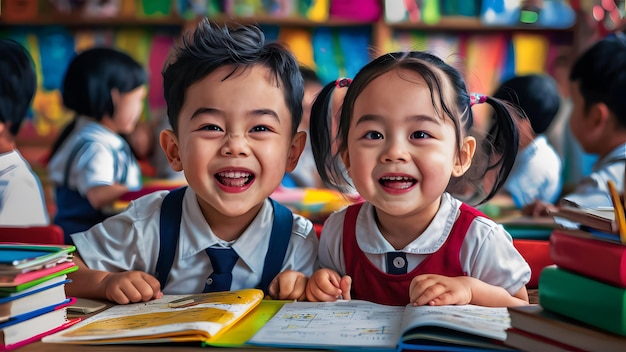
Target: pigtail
[(500, 145), (497, 151), (329, 166)]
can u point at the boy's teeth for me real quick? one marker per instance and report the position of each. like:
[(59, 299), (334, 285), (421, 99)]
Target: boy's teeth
[(234, 174)]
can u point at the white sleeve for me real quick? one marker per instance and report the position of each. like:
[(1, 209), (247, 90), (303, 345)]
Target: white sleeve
[(94, 165), (331, 243), (302, 251), (488, 254), (126, 241)]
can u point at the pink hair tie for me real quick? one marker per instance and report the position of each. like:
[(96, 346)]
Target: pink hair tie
[(476, 98), (343, 82)]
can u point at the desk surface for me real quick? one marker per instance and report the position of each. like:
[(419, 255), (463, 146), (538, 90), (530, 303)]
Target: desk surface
[(55, 347)]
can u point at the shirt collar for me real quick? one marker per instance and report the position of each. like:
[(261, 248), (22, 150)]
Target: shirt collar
[(617, 154), (196, 235), (371, 240)]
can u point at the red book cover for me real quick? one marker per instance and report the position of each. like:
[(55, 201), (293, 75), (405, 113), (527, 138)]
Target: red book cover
[(527, 341), (600, 260)]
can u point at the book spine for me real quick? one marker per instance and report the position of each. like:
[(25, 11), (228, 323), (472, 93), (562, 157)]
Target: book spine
[(596, 259), (584, 299)]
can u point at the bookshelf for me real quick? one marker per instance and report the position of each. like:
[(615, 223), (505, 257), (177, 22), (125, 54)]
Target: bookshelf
[(27, 19)]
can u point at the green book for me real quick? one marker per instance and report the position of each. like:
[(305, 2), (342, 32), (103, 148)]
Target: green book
[(584, 299)]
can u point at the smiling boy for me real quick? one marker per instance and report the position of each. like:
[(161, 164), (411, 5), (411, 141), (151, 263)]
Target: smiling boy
[(234, 104)]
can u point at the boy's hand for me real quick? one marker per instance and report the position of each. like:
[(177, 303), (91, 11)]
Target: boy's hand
[(289, 284), (438, 290), (131, 287), (538, 208), (325, 285)]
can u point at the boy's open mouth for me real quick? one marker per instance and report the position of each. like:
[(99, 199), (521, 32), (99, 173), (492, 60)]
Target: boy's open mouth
[(397, 182), (234, 178)]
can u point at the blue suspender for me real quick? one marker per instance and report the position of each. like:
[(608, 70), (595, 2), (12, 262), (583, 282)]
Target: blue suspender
[(279, 240), (169, 230), (171, 214)]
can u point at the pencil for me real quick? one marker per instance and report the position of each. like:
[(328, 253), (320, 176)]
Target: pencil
[(618, 209)]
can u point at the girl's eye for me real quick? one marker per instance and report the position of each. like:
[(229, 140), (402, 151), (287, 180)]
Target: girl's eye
[(211, 128), (260, 129), (420, 135), (373, 135)]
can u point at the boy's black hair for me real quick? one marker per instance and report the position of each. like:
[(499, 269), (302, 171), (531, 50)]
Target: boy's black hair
[(309, 75), (211, 46), (89, 80), (601, 74), (17, 84), (496, 151), (536, 94)]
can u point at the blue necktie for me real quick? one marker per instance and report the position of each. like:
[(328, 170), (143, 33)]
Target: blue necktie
[(223, 261)]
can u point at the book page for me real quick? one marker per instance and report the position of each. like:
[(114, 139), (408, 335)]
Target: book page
[(337, 324), (481, 321), (200, 315)]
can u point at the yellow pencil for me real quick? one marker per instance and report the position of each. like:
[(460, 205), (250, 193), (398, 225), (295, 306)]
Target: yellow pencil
[(618, 208)]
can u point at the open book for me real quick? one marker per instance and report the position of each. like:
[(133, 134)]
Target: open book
[(359, 324), (173, 318)]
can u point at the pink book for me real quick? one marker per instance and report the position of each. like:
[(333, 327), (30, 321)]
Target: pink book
[(593, 258), (21, 278)]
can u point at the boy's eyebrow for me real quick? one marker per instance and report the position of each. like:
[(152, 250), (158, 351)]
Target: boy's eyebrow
[(412, 118), (204, 111), (257, 112)]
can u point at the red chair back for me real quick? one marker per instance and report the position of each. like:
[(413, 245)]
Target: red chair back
[(51, 234), (537, 255)]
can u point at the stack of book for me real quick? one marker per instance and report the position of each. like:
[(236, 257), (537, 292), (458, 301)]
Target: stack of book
[(33, 302), (582, 298)]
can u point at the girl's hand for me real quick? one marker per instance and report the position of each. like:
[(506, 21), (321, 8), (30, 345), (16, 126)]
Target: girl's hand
[(326, 285), (131, 286), (438, 290), (289, 284)]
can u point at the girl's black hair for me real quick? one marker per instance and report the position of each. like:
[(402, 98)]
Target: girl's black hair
[(211, 46), (17, 84), (496, 151), (89, 80)]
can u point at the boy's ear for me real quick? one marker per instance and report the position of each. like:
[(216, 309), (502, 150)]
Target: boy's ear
[(295, 149), (599, 115), (169, 144), (464, 160)]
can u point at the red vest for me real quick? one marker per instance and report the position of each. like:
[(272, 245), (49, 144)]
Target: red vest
[(371, 284)]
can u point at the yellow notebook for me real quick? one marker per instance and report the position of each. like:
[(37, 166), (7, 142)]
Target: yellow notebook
[(173, 318)]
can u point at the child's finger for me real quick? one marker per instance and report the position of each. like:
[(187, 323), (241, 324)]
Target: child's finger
[(346, 286)]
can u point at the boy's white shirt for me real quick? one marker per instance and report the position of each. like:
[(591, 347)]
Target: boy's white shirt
[(130, 241), (536, 174), (487, 252), (94, 161), (592, 190), (22, 201)]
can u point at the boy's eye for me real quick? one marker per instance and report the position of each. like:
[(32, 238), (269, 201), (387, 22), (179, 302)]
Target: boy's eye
[(211, 128), (373, 135), (260, 129), (420, 135)]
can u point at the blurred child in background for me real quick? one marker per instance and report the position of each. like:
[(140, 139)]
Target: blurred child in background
[(91, 165), (536, 174), (22, 200), (305, 174), (598, 121), (403, 137)]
